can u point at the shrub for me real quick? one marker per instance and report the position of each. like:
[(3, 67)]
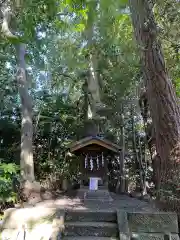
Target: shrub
[(8, 172)]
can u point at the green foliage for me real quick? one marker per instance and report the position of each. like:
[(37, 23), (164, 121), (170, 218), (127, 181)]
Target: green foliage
[(168, 18), (57, 50), (7, 173)]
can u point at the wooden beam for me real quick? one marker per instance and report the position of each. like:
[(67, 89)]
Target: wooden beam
[(93, 141)]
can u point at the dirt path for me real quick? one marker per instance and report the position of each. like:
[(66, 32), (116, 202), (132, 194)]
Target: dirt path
[(121, 202)]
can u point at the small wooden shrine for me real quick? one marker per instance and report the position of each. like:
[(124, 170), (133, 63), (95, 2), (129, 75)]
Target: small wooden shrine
[(93, 152)]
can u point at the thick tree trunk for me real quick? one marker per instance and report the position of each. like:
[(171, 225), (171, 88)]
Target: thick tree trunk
[(92, 80), (150, 138), (161, 95), (26, 162)]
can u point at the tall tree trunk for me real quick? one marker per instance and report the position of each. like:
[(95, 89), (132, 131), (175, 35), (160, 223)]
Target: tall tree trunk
[(142, 167), (136, 154), (26, 159), (161, 95), (150, 138), (92, 80), (122, 185), (27, 164)]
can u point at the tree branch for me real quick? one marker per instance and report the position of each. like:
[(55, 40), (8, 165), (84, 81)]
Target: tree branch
[(6, 14), (66, 75)]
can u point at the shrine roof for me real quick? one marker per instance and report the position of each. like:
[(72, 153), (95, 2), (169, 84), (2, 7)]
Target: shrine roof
[(94, 140)]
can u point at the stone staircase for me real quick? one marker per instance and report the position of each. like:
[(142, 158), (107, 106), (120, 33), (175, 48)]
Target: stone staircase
[(112, 225), (88, 224), (94, 225)]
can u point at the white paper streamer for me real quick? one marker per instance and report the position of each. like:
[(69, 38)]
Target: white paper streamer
[(102, 160), (86, 162), (91, 163), (97, 162)]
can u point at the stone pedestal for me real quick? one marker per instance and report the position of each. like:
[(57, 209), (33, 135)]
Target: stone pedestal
[(102, 194)]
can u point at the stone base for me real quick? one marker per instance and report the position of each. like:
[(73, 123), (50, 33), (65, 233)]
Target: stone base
[(101, 195), (98, 195)]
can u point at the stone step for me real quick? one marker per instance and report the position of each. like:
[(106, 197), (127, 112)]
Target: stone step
[(96, 229), (89, 238), (91, 216), (98, 195), (101, 195), (102, 187)]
